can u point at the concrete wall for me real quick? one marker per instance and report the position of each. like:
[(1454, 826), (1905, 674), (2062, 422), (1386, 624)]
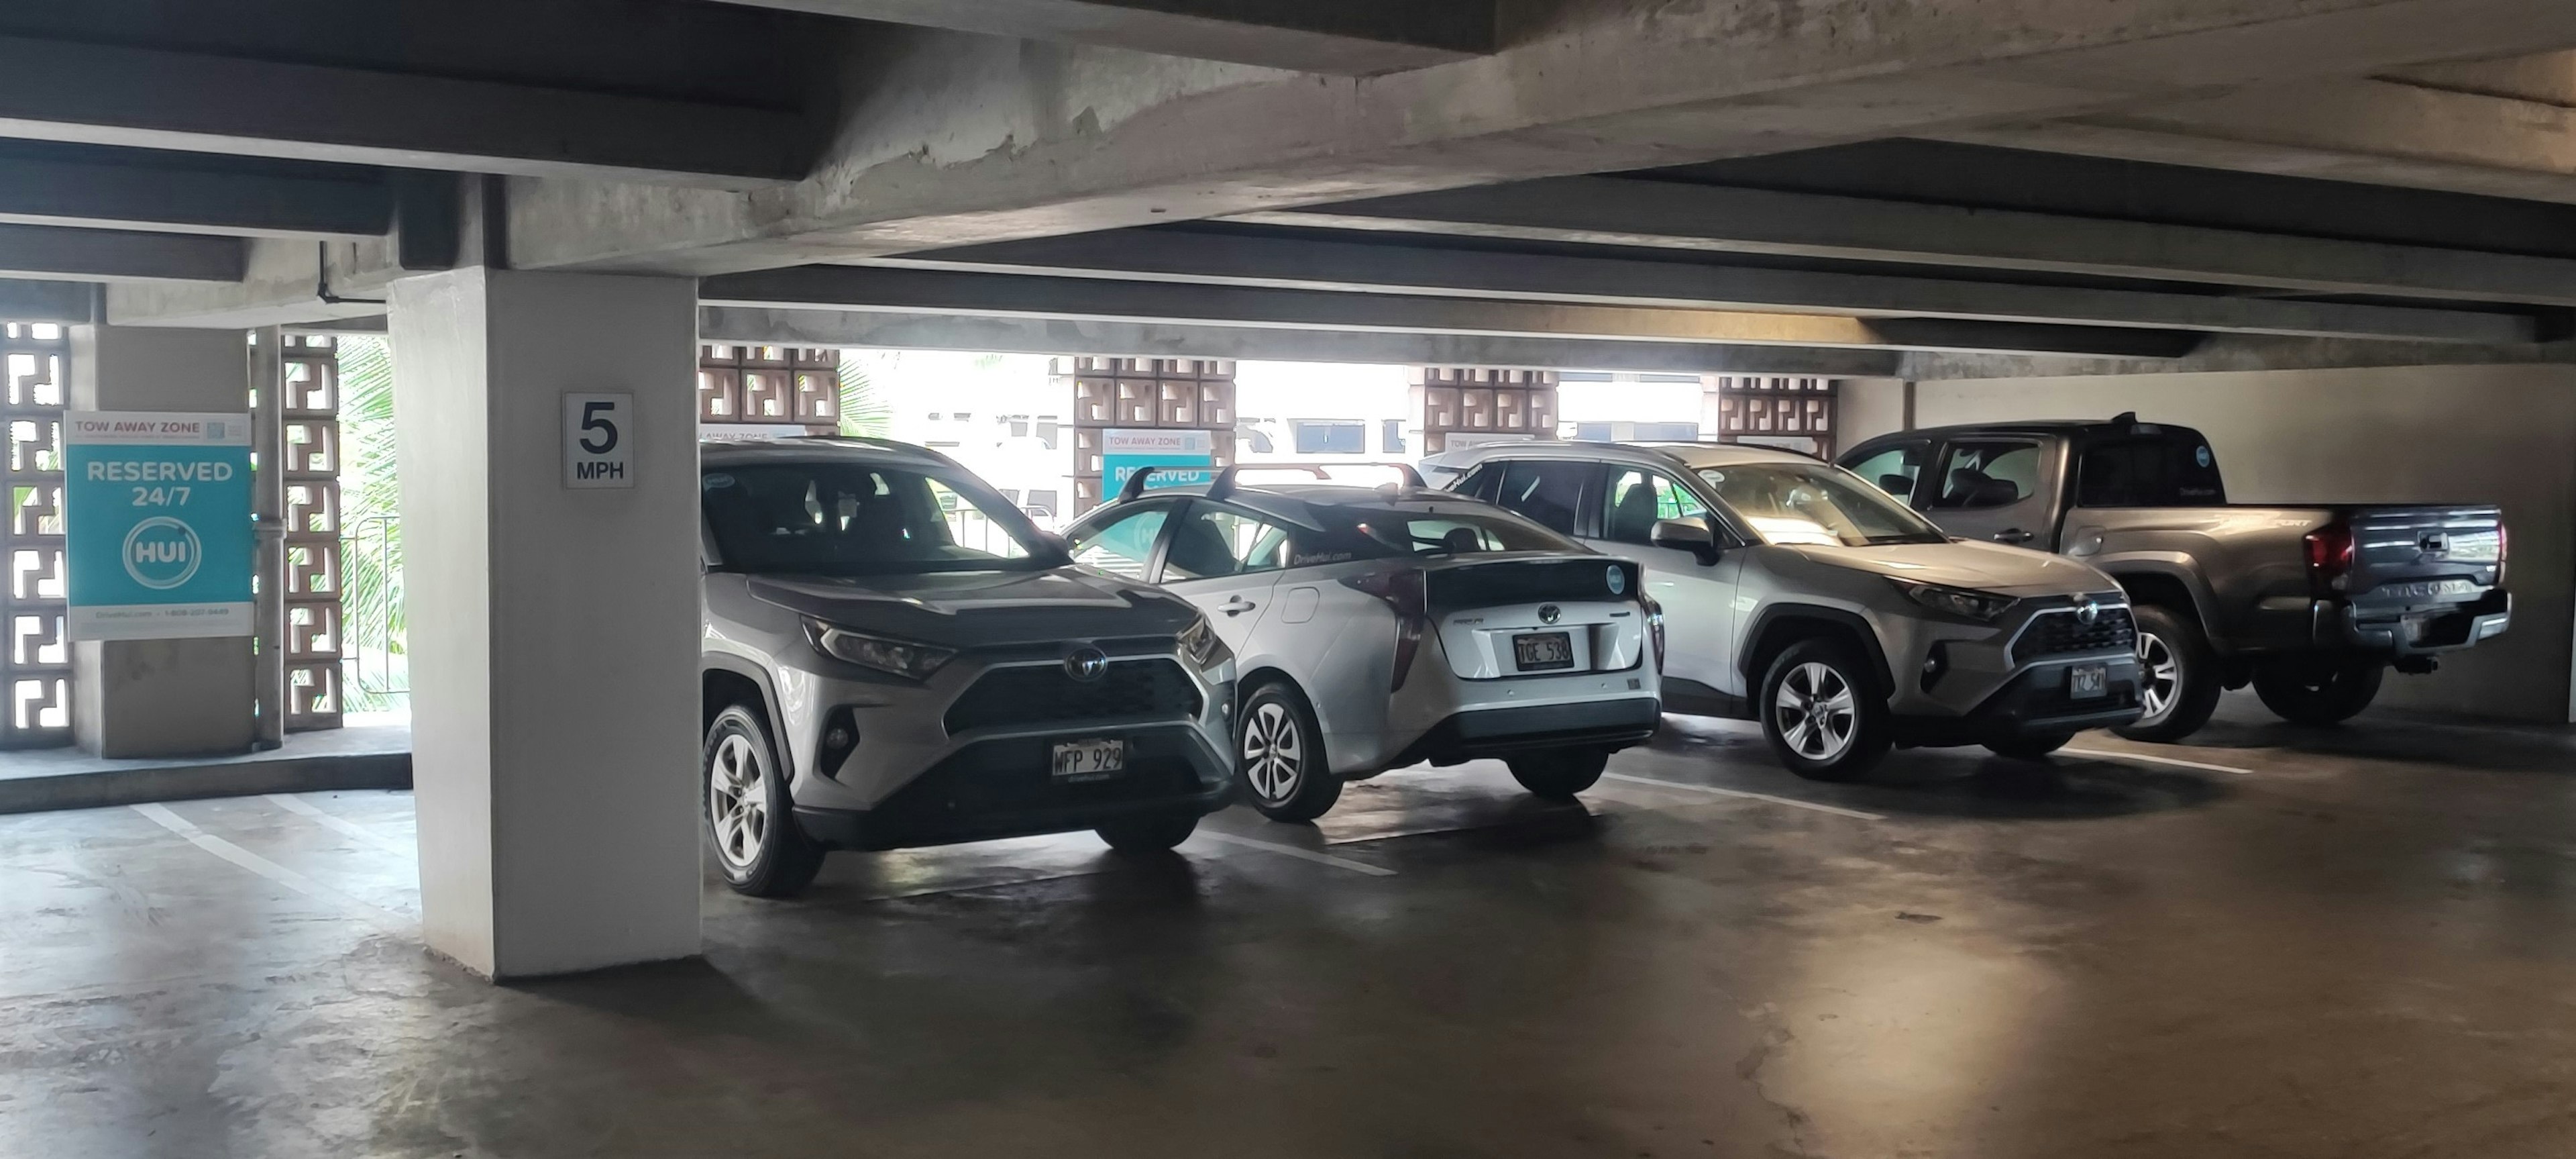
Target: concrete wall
[(2503, 434)]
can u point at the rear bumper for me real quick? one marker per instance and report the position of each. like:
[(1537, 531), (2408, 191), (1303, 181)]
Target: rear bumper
[(2035, 704), (1004, 788), (2343, 627), (1490, 732)]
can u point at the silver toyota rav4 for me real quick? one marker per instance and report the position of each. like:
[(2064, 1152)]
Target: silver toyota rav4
[(894, 656), (1797, 594)]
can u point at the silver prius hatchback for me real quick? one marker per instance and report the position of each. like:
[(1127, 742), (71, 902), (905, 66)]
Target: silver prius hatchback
[(1799, 595), (1377, 628)]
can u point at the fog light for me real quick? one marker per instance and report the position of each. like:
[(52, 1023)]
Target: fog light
[(1935, 663), (840, 739)]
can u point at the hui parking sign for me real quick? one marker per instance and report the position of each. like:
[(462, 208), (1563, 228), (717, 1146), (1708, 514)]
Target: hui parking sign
[(157, 524)]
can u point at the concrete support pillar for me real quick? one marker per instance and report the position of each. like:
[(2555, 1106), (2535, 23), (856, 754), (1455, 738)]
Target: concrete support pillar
[(554, 631), (160, 698)]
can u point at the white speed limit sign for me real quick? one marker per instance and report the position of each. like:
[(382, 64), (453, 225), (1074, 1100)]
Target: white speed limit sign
[(596, 440)]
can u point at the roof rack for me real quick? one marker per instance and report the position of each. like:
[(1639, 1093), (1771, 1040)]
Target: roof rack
[(1226, 478)]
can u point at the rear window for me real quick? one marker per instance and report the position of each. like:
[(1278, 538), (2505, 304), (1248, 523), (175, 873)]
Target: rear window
[(2171, 469), (1353, 533)]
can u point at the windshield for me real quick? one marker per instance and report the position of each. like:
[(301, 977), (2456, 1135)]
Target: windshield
[(1387, 533), (1816, 503), (854, 519)]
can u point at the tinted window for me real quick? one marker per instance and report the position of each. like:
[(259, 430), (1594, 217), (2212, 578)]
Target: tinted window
[(1894, 469), (850, 519), (2150, 472), (1987, 473), (1815, 503), (1640, 499), (1214, 541), (1123, 546), (1545, 493), (1349, 533), (1481, 483)]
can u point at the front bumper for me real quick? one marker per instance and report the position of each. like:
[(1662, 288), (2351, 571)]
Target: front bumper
[(2037, 703), (1958, 683), (1491, 732), (1005, 788)]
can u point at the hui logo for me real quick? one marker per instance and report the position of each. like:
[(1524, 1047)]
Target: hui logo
[(162, 553)]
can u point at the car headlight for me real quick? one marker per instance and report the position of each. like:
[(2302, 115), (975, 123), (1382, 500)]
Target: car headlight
[(1202, 647), (895, 657), (1982, 607)]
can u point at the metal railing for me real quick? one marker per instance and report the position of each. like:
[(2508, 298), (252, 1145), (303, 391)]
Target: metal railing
[(375, 671)]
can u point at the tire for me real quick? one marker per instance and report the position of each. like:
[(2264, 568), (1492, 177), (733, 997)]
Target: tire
[(2318, 693), (2028, 748), (1141, 836), (1280, 767), (750, 817), (2180, 677), (1559, 774), (1827, 682)]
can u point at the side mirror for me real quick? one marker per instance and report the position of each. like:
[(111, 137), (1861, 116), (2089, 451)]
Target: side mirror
[(1059, 545), (1897, 485), (1691, 535)]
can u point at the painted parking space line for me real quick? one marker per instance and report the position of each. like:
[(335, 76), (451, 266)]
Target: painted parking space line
[(1293, 851), (377, 916), (2177, 762), (1713, 790), (341, 825)]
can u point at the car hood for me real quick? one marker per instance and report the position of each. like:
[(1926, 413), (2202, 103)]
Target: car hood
[(983, 609), (1985, 567)]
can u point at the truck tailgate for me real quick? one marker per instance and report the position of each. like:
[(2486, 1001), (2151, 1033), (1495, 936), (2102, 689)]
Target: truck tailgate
[(2422, 557)]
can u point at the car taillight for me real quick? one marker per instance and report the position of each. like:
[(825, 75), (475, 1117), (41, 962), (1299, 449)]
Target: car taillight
[(1404, 594), (1655, 629), (2329, 555)]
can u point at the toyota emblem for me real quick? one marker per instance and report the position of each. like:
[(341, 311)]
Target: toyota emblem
[(2088, 612), (1087, 664), (1548, 613)]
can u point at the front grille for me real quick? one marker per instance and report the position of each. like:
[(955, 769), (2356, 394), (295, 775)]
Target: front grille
[(1047, 694), (2060, 632)]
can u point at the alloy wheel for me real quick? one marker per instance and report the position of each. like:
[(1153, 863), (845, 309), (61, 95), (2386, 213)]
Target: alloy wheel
[(1274, 755), (737, 800), (2163, 678), (1817, 712)]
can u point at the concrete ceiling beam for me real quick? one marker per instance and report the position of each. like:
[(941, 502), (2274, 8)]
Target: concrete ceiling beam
[(2380, 132), (106, 94), (62, 303), (1332, 37), (1010, 295), (953, 138), (111, 255), (1024, 335), (1219, 258), (159, 191), (1678, 215)]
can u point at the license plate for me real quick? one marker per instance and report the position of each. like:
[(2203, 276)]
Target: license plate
[(1545, 650), (1084, 760), (2088, 681)]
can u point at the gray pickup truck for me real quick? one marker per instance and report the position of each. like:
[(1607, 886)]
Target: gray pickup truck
[(2311, 605)]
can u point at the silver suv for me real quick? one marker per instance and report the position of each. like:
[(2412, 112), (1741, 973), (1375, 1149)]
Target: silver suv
[(1797, 594), (894, 656)]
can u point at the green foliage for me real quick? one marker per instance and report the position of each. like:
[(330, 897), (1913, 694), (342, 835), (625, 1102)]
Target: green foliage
[(864, 412), (371, 524)]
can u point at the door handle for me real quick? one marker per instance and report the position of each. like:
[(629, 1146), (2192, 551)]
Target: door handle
[(2014, 535), (1236, 606)]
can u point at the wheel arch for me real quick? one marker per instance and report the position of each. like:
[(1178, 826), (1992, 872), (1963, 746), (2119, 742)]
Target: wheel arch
[(731, 680), (1780, 626)]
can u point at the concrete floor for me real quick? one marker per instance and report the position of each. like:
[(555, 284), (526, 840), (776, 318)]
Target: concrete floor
[(2354, 944)]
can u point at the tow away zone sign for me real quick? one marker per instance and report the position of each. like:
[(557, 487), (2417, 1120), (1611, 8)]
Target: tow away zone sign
[(157, 525)]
